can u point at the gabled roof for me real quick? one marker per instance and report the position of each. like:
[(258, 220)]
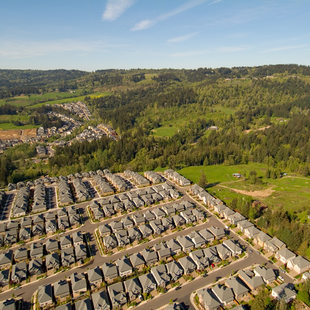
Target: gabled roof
[(101, 301), (300, 262), (136, 260), (78, 282), (208, 299), (94, 275), (84, 304), (286, 254), (223, 293), (61, 288), (45, 294), (237, 286), (133, 287)]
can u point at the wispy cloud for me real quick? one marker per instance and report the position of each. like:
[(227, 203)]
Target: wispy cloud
[(27, 49), (147, 23), (182, 38), (115, 8), (284, 48)]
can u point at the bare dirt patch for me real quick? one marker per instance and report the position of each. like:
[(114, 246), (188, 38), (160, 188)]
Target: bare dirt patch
[(258, 194), (23, 134), (259, 129)]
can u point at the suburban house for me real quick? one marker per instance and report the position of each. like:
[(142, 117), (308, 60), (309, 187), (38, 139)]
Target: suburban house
[(284, 255), (208, 300), (101, 301), (124, 267), (137, 261), (95, 277), (117, 294), (78, 284), (251, 279), (284, 291), (267, 274), (217, 232), (45, 296), (147, 282), (110, 271), (174, 270), (239, 288), (133, 288), (160, 275), (234, 248), (187, 264), (223, 293), (61, 290), (223, 252), (298, 264)]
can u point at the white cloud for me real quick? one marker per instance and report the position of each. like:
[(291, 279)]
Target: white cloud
[(26, 49), (147, 23), (144, 24), (182, 38), (115, 8)]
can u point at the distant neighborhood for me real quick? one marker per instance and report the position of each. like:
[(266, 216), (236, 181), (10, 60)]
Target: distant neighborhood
[(10, 138)]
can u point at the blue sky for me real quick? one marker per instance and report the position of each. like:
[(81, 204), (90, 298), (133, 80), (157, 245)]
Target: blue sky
[(102, 34)]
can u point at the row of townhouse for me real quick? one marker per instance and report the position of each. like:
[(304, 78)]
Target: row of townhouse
[(135, 199), (130, 229), (42, 257), (117, 181), (176, 177), (137, 178), (235, 288), (154, 177), (36, 226), (270, 244)]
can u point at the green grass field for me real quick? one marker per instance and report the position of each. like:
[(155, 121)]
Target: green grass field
[(50, 98), (8, 126), (292, 193), (165, 131), (221, 173), (69, 99), (36, 99)]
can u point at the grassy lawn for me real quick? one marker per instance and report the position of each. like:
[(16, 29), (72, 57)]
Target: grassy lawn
[(8, 126), (292, 193), (11, 118), (221, 173), (165, 131)]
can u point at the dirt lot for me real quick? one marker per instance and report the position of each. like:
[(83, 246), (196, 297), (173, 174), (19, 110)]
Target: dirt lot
[(257, 194), (18, 134)]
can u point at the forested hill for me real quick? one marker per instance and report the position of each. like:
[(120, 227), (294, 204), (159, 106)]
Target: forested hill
[(16, 82)]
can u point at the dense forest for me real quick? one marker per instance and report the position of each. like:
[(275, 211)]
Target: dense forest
[(238, 101)]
